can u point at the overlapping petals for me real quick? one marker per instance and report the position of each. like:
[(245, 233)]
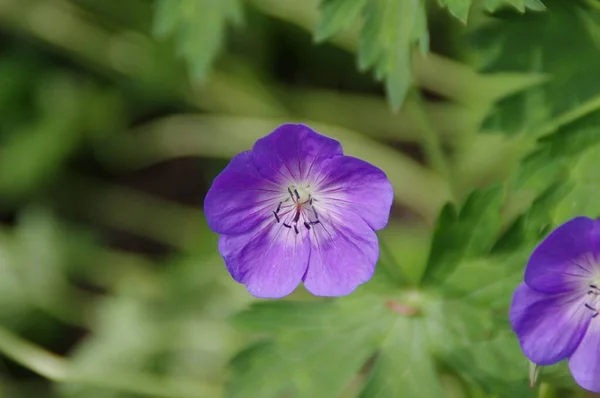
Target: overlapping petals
[(555, 313), (564, 258), (536, 317), (296, 209)]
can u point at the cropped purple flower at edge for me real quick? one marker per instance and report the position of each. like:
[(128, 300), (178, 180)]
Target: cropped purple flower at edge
[(295, 208), (555, 312)]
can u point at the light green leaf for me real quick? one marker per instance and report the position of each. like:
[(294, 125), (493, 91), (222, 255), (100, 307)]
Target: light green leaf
[(583, 199), (317, 348), (497, 365), (572, 84), (403, 366), (197, 28), (458, 8), (521, 5), (337, 15), (391, 28), (470, 233)]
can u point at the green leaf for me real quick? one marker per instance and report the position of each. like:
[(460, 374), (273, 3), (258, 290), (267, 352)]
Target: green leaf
[(390, 30), (317, 348), (553, 161), (403, 366), (572, 84), (497, 365), (337, 15), (470, 233), (458, 8), (197, 28), (583, 199), (534, 5)]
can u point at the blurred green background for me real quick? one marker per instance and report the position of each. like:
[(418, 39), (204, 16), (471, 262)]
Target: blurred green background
[(115, 116)]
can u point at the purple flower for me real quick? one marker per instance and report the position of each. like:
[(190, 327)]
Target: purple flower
[(293, 209), (555, 312)]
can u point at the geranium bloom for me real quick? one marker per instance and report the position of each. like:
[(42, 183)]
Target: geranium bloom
[(294, 209), (555, 312)]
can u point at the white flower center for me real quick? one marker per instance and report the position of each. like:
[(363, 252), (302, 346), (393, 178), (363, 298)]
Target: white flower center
[(298, 210)]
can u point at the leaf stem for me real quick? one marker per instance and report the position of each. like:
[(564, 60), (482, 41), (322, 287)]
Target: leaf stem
[(431, 143), (568, 117)]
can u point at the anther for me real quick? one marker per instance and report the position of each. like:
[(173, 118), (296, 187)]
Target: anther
[(287, 225), (297, 216), (307, 225), (290, 192), (276, 216), (297, 195), (316, 214), (278, 207), (296, 229)]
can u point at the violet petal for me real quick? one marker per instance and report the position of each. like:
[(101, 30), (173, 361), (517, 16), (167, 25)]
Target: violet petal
[(549, 327), (357, 186), (240, 198), (585, 363), (270, 261), (563, 259), (344, 251), (292, 151)]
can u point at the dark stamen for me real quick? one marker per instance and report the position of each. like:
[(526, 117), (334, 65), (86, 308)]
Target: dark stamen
[(589, 307), (307, 225), (276, 216), (315, 211), (287, 225), (297, 216), (290, 192), (595, 315), (314, 222), (296, 229), (594, 287), (296, 192), (278, 207)]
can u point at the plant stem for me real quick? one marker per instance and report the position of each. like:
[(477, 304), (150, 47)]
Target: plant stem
[(58, 369), (431, 143)]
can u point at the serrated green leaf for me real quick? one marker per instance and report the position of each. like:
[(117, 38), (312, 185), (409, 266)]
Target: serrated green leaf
[(556, 154), (316, 350), (572, 84), (403, 366), (458, 8), (583, 199), (518, 4), (534, 5), (497, 365), (337, 15), (197, 28), (470, 233), (391, 28)]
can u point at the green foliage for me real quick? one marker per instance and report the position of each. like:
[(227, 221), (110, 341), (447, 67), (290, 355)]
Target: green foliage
[(111, 285), (572, 83), (197, 28), (454, 240), (460, 8), (322, 348), (390, 30)]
